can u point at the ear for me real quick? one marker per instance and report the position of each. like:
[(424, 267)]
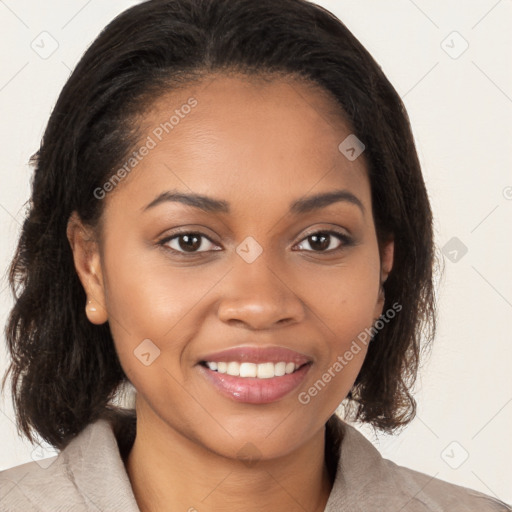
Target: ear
[(86, 256), (386, 250)]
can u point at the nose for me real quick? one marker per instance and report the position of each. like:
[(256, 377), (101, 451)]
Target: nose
[(258, 297)]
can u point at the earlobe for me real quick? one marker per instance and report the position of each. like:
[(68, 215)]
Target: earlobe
[(86, 257), (95, 313)]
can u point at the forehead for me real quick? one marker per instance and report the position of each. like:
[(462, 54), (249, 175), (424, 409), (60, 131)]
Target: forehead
[(250, 139)]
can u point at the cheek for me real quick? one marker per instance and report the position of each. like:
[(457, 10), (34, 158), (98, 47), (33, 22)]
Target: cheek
[(348, 317), (149, 314), (145, 300), (344, 297), (345, 306)]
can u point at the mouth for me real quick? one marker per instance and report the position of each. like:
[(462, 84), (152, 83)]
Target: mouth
[(255, 375)]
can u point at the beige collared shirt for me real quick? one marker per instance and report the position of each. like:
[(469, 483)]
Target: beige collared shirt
[(89, 475)]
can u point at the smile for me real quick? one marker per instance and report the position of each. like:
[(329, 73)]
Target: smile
[(255, 375)]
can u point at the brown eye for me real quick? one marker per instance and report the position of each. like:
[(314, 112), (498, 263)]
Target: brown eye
[(188, 243), (325, 241)]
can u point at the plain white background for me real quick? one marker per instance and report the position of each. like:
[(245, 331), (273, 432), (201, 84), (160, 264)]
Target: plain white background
[(460, 103)]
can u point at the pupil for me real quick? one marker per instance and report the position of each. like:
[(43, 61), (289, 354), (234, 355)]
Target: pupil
[(324, 244), (193, 241)]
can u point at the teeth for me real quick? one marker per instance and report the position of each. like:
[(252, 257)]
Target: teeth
[(266, 371), (248, 370), (233, 368), (290, 368), (261, 371), (280, 369)]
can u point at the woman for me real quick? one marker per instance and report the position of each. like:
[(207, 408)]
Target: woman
[(227, 213)]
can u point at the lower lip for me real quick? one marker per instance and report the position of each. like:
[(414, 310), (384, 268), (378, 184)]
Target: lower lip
[(251, 390)]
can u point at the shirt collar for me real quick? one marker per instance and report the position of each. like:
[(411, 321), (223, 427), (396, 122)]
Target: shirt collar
[(95, 459)]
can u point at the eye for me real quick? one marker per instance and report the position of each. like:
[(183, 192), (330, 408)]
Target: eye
[(196, 242), (325, 241), (192, 242)]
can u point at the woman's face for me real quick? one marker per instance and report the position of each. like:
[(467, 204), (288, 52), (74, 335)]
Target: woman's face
[(234, 273)]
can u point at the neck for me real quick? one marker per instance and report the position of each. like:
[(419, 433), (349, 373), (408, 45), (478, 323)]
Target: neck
[(170, 472)]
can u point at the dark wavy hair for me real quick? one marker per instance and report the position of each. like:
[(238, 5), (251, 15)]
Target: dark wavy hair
[(65, 370)]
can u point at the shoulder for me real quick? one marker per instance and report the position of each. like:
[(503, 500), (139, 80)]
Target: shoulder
[(436, 494), (365, 481), (29, 486), (88, 474)]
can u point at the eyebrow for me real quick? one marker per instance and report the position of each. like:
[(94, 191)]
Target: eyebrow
[(300, 206)]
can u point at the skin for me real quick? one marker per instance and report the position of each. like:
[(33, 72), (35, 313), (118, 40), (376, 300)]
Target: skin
[(259, 145)]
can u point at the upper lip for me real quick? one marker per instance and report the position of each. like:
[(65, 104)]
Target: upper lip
[(257, 355)]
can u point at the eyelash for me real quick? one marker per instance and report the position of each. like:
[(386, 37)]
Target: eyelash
[(345, 240)]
